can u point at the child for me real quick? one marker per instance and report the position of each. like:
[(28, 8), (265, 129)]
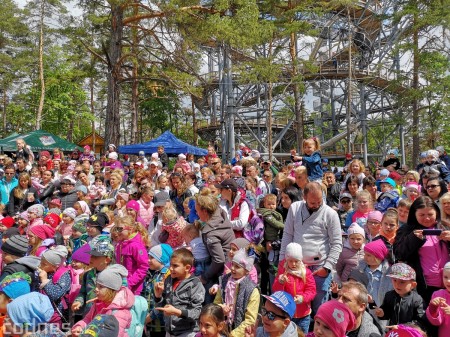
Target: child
[(294, 278), (388, 231), (13, 286), (212, 321), (389, 195), (273, 231), (345, 207), (162, 184), (40, 239), (5, 223), (159, 263), (412, 190), (82, 210), (191, 236), (98, 189), (35, 214), (23, 222), (81, 259), (180, 296), (333, 319), (236, 245), (403, 304), (55, 281), (173, 224), (312, 159), (363, 206), (131, 251), (238, 294), (65, 228), (437, 311), (352, 252), (373, 225), (78, 237), (112, 299), (95, 225), (403, 210), (102, 253), (54, 206)]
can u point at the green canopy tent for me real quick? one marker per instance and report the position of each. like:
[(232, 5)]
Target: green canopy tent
[(38, 140)]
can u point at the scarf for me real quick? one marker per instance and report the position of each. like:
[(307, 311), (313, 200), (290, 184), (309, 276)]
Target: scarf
[(389, 237), (230, 294)]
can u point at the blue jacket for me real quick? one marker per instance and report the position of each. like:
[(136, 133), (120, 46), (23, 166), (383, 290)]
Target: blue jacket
[(313, 165), (6, 188)]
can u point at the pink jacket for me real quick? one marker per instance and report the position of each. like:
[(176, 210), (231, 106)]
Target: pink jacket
[(174, 228), (295, 286), (65, 229), (437, 316), (132, 254), (146, 212), (119, 307)]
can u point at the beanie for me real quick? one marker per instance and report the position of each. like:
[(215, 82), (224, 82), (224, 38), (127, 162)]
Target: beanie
[(45, 154), (70, 212), (134, 205), (404, 331), (82, 254), (33, 308), (8, 222), (377, 248), (43, 231), (123, 195), (80, 226), (359, 276), (52, 219), (56, 256), (10, 232), (24, 215), (241, 243), (375, 216), (37, 209), (113, 155), (356, 229), (162, 253), (82, 189), (241, 258), (294, 250), (337, 316), (102, 326), (16, 285), (16, 245), (112, 276)]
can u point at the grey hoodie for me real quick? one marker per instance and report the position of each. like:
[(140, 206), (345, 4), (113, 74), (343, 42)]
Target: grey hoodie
[(291, 331)]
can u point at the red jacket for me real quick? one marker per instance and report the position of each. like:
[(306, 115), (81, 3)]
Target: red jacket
[(295, 286)]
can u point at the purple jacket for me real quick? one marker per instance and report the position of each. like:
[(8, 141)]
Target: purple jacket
[(348, 260), (132, 254)]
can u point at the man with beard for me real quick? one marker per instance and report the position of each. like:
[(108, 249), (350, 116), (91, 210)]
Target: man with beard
[(316, 227)]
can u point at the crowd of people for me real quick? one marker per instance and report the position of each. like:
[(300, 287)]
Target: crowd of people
[(126, 246)]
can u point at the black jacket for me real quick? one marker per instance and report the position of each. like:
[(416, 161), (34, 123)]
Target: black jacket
[(399, 310), (28, 265)]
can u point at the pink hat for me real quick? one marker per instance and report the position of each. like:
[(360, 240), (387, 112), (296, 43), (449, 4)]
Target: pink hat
[(412, 185), (133, 204), (375, 216), (87, 147), (337, 316), (377, 248), (43, 231), (56, 202), (403, 331), (237, 169), (355, 229), (24, 215)]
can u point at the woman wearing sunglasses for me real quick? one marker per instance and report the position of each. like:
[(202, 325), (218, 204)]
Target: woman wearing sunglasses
[(435, 188)]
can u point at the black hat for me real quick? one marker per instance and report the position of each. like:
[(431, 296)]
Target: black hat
[(16, 245), (98, 220), (229, 184)]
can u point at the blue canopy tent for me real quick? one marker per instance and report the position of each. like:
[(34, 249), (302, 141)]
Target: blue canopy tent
[(172, 145)]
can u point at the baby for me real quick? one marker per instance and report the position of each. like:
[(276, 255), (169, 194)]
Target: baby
[(195, 244)]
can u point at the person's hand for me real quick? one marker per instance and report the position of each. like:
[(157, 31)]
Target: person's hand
[(321, 272), (76, 331), (268, 246), (418, 233), (298, 299), (334, 287), (42, 275), (170, 310), (445, 235), (159, 288), (250, 331), (445, 307), (392, 327), (226, 309), (213, 290), (379, 312), (282, 278), (76, 306), (148, 319), (436, 301)]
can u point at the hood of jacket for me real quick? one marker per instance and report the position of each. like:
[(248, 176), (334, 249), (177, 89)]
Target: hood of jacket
[(291, 331), (32, 262), (124, 299)]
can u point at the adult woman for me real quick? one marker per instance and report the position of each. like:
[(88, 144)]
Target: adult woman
[(8, 182), (22, 196), (49, 187), (83, 178), (115, 181), (179, 192), (370, 185), (352, 186), (288, 196), (427, 254), (435, 188), (233, 201), (216, 234)]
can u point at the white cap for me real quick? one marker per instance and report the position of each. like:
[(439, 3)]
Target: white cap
[(113, 155), (196, 165), (255, 154), (181, 156), (141, 153), (153, 162), (294, 250), (155, 155)]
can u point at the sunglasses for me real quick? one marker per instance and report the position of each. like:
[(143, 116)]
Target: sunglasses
[(347, 201), (215, 163), (431, 187), (270, 315)]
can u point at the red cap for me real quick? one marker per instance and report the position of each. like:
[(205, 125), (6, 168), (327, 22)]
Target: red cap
[(8, 222), (45, 153), (394, 175), (52, 219)]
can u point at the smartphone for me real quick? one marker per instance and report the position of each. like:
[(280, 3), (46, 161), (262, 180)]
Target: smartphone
[(432, 231)]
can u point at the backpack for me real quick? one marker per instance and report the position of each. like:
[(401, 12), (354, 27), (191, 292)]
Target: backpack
[(139, 312), (75, 285), (254, 230)]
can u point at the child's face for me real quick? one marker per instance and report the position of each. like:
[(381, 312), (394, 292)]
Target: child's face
[(446, 279), (309, 147), (412, 194), (35, 173), (346, 204), (363, 204), (99, 262), (77, 208), (92, 231), (22, 222), (403, 287), (356, 241), (186, 208), (403, 213), (32, 216), (389, 225), (76, 234), (373, 226), (430, 159), (355, 168), (163, 183), (385, 187), (32, 239), (209, 327), (3, 303), (77, 265), (3, 227), (154, 264), (292, 263), (237, 272), (270, 204), (232, 251), (98, 183), (67, 219), (178, 270), (101, 292), (371, 260), (46, 266)]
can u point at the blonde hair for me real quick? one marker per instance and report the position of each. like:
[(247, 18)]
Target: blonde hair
[(364, 193), (301, 269), (391, 213), (362, 168), (18, 191), (270, 197), (120, 172), (314, 140), (301, 170), (110, 294), (192, 230), (206, 201), (415, 174), (445, 197), (35, 247), (170, 213), (136, 226)]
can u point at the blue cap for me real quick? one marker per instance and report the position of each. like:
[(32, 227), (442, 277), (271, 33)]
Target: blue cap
[(324, 160), (284, 301), (31, 309), (162, 253), (389, 181)]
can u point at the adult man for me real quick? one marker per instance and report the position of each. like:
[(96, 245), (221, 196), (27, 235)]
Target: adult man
[(7, 184), (225, 173), (316, 227), (333, 189), (163, 157), (67, 193), (355, 296), (21, 166)]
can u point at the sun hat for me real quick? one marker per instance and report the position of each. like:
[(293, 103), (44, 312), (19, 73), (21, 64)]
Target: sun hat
[(402, 271)]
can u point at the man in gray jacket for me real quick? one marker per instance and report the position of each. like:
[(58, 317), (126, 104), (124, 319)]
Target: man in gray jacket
[(316, 227), (355, 296)]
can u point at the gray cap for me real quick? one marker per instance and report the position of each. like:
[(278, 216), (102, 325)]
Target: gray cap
[(161, 198), (82, 189), (112, 276), (345, 195), (56, 256)]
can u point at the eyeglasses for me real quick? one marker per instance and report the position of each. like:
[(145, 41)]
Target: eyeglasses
[(270, 315), (10, 174), (431, 187), (346, 201)]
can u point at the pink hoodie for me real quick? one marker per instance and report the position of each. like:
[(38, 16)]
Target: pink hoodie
[(119, 307), (146, 212), (437, 316)]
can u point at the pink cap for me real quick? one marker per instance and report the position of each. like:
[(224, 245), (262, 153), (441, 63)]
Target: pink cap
[(375, 216)]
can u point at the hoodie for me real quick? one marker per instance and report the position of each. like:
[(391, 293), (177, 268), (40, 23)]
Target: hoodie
[(120, 307), (26, 264), (291, 331)]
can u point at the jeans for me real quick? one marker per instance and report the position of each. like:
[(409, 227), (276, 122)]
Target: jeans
[(322, 289), (303, 323)]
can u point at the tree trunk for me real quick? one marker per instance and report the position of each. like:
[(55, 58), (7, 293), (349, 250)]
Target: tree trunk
[(415, 103), (5, 98), (112, 120), (135, 84), (41, 68)]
